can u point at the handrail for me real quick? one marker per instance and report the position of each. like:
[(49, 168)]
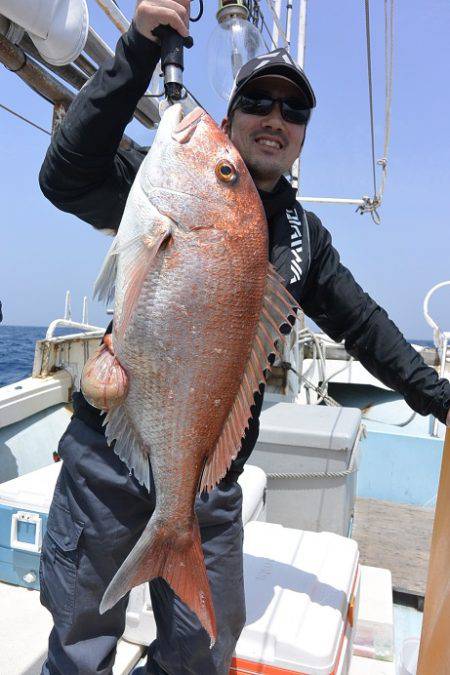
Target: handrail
[(441, 340), (67, 323), (426, 303)]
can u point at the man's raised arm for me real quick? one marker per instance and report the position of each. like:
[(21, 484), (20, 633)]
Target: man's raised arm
[(85, 172), (334, 300)]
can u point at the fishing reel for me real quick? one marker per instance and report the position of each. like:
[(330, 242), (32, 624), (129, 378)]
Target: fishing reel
[(172, 59)]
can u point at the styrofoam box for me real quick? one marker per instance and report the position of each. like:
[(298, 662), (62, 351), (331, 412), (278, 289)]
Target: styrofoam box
[(301, 593), (301, 439), (140, 625), (24, 507), (374, 636)]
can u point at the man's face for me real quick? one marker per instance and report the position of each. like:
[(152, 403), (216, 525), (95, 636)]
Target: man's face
[(268, 145)]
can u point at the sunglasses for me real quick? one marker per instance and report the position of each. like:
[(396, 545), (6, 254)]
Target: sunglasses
[(292, 109)]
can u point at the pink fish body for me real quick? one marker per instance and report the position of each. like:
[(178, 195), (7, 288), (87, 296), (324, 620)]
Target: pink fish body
[(197, 311)]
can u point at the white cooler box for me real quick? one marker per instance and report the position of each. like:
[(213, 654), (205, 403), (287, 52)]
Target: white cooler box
[(24, 506), (140, 623), (301, 448), (302, 594)]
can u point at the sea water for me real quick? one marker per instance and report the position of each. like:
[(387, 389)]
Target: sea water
[(17, 345)]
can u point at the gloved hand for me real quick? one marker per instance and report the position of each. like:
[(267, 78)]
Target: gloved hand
[(149, 14)]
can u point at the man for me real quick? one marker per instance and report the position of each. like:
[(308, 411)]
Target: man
[(99, 509)]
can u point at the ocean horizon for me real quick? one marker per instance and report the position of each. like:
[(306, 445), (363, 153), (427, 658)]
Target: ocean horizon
[(17, 344)]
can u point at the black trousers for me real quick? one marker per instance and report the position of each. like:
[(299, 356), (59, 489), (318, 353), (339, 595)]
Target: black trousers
[(97, 514)]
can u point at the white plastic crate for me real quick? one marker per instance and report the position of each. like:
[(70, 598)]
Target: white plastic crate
[(311, 456), (302, 593)]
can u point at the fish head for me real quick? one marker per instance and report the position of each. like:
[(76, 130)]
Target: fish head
[(194, 175)]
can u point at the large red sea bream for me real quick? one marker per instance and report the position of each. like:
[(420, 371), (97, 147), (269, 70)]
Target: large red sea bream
[(197, 311)]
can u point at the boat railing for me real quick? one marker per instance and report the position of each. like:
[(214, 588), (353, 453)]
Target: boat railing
[(67, 321)]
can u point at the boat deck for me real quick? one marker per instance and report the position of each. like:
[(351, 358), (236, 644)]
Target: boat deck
[(396, 537)]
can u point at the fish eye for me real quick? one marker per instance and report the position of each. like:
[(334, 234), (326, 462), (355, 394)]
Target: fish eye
[(225, 171)]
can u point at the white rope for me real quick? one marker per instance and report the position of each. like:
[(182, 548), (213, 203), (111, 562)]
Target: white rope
[(352, 466), (371, 205), (389, 60), (265, 26), (369, 76)]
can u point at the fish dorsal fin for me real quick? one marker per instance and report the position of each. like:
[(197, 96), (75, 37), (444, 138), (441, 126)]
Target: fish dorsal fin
[(119, 428), (278, 306)]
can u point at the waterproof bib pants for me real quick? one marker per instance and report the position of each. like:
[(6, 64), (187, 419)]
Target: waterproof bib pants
[(97, 515)]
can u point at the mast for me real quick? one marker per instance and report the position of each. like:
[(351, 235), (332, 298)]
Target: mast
[(301, 47)]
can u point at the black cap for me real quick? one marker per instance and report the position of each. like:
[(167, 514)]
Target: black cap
[(278, 62)]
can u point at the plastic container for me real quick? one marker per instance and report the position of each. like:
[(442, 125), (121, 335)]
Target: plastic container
[(140, 623), (58, 28), (296, 441), (374, 637), (24, 507), (302, 594)]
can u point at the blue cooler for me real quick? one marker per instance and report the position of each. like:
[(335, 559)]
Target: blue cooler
[(24, 506)]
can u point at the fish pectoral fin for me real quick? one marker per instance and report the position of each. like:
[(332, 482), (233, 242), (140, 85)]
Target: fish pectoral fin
[(127, 446), (104, 286), (138, 258), (182, 565), (278, 307)]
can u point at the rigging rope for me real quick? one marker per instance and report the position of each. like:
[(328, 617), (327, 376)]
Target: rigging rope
[(389, 60), (24, 119), (277, 22), (369, 73), (256, 16), (371, 204)]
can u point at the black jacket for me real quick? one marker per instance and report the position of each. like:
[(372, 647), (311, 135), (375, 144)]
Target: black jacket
[(87, 174)]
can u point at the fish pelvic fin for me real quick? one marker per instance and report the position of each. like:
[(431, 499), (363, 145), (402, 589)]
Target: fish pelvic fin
[(177, 558), (120, 429), (277, 309)]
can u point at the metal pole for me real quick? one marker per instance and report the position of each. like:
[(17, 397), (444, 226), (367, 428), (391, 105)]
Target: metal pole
[(276, 31), (70, 73), (85, 317), (301, 42), (38, 79), (288, 21), (15, 59), (333, 200), (113, 12), (301, 46), (67, 309)]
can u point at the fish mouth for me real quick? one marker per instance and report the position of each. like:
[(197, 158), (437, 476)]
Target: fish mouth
[(185, 129)]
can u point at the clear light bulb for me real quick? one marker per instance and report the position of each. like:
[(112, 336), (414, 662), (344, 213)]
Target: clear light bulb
[(232, 43)]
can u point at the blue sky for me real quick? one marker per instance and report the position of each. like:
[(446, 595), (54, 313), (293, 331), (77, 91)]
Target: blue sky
[(44, 252)]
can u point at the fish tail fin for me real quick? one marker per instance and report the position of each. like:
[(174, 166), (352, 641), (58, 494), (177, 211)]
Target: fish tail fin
[(177, 559)]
